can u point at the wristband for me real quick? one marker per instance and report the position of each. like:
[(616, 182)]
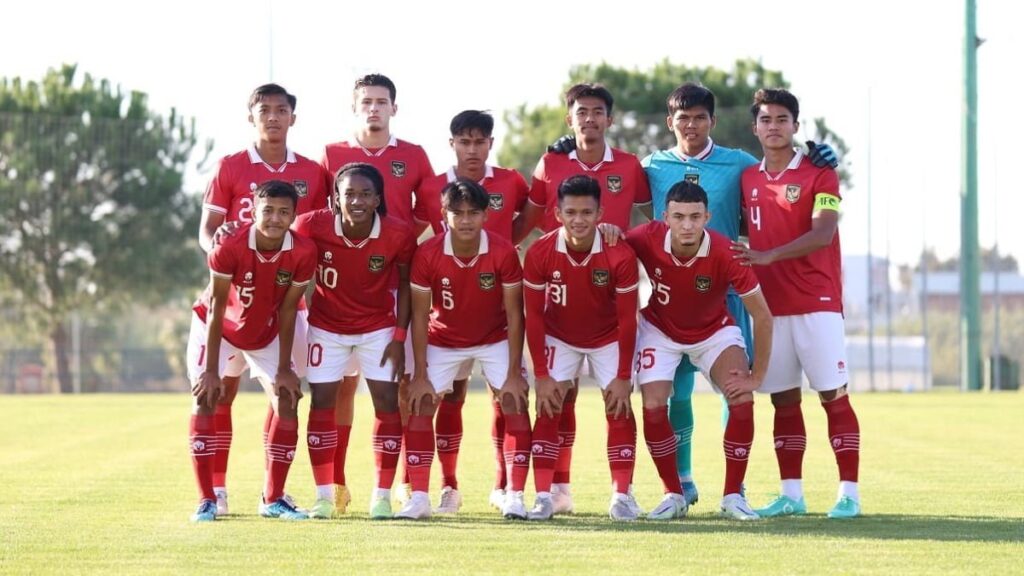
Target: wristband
[(399, 334)]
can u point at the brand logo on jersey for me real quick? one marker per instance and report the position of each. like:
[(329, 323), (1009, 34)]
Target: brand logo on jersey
[(487, 280), (599, 277), (284, 277), (313, 440), (692, 178), (703, 283), (753, 194), (248, 277), (657, 272), (614, 184), (398, 169), (496, 201), (556, 276), (253, 186), (301, 187), (792, 193), (328, 256), (376, 263)]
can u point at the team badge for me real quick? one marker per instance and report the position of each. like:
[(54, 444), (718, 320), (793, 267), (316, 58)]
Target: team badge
[(703, 283), (614, 184), (398, 169), (792, 193), (496, 202), (376, 263), (284, 278), (599, 277), (301, 187), (487, 280), (693, 178)]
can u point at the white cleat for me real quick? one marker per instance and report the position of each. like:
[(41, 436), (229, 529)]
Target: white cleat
[(417, 508), (514, 508), (497, 498), (561, 498), (623, 508), (672, 506), (451, 501), (735, 506), (222, 502), (543, 509), (633, 504), (403, 494)]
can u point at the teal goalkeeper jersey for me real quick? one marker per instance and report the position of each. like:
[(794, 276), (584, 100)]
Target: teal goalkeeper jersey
[(718, 172)]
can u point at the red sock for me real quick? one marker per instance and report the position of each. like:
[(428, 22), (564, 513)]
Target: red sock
[(202, 439), (322, 441), (566, 439), (517, 449), (448, 437), (844, 434), (545, 451), (790, 441), (621, 451), (739, 435), (283, 437), (419, 451), (387, 445), (222, 445), (266, 435), (661, 442), (343, 432), (498, 439)]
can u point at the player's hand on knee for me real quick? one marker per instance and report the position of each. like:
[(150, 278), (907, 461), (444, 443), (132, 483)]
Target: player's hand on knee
[(394, 351), (616, 397), (207, 389), (549, 397), (563, 145), (739, 383), (288, 383), (421, 389), (516, 390), (822, 155), (610, 233)]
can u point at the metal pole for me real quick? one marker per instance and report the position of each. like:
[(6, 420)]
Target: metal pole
[(970, 307), (76, 353), (871, 272)]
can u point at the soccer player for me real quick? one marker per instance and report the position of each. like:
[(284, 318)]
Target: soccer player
[(466, 305), (229, 204), (792, 212), (507, 191), (405, 167), (691, 268), (623, 187), (581, 302), (246, 318), (353, 315)]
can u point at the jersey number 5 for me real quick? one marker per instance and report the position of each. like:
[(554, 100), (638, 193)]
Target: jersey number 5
[(245, 295)]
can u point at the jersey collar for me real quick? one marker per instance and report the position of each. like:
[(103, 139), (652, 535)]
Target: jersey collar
[(702, 252), (374, 231), (449, 251), (608, 157), (488, 174), (286, 245), (562, 245), (702, 155), (392, 143), (254, 158), (793, 165)]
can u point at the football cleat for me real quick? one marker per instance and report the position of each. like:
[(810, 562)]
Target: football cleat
[(222, 502), (633, 503), (291, 502), (514, 508), (342, 498), (417, 508), (404, 493), (672, 506), (283, 509), (543, 509), (783, 506), (497, 498), (322, 509), (623, 508), (735, 506), (206, 512), (561, 498), (846, 507), (689, 492), (380, 507), (451, 501)]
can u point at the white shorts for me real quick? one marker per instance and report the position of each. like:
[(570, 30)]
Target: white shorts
[(565, 361), (465, 370), (331, 355), (262, 363), (658, 356), (812, 344), (443, 364)]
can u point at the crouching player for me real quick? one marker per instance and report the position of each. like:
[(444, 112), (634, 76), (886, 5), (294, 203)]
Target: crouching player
[(247, 318), (691, 269), (581, 302), (354, 315), (466, 305)]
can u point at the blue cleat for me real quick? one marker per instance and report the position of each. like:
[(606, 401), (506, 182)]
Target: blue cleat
[(207, 511), (846, 507), (283, 509), (783, 506), (690, 492)]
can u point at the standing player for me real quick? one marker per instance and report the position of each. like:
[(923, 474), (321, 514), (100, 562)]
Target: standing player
[(466, 305), (404, 167), (623, 186), (792, 211), (581, 302), (354, 315), (229, 204), (691, 269), (267, 268), (507, 192)]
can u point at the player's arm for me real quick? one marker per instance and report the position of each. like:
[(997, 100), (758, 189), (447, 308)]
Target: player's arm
[(534, 298), (209, 387), (515, 385), (526, 221), (286, 380), (627, 296), (739, 383), (395, 350), (824, 223), (420, 387)]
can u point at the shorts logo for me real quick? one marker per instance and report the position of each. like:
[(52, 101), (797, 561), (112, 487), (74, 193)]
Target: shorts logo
[(614, 184), (328, 256), (301, 187), (693, 178), (398, 169), (284, 277), (496, 201), (841, 366), (703, 283), (599, 277), (792, 193), (376, 263), (487, 280)]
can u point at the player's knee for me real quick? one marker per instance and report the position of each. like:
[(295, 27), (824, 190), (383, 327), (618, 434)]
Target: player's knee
[(323, 395), (830, 395), (384, 395), (458, 393), (786, 398), (426, 407)]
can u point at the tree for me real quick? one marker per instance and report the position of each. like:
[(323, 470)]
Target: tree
[(92, 211), (640, 110)]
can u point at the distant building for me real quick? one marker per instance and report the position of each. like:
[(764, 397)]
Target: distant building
[(940, 291)]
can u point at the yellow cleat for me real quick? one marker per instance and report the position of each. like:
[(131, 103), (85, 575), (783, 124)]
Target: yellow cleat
[(342, 498)]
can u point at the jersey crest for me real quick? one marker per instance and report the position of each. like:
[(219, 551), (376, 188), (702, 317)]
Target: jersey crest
[(376, 263), (398, 169), (792, 193), (614, 184), (599, 277), (486, 280), (702, 283), (284, 277)]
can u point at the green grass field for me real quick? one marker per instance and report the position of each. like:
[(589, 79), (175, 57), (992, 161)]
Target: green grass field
[(103, 484)]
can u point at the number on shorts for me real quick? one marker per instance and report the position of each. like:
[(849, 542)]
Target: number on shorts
[(202, 356), (645, 359), (447, 300), (315, 354), (328, 276), (245, 295), (558, 293), (549, 355)]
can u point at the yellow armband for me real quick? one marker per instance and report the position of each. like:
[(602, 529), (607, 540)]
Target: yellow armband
[(824, 201)]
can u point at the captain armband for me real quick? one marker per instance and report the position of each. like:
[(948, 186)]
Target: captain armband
[(824, 201)]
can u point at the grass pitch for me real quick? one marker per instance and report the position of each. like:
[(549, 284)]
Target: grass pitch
[(103, 484)]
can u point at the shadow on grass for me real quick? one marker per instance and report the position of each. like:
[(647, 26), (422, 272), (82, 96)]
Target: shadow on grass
[(870, 527)]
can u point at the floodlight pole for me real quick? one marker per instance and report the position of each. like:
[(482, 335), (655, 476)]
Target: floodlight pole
[(970, 272)]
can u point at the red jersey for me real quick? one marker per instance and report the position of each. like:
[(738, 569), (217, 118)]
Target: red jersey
[(260, 280), (623, 184), (404, 167), (230, 190), (508, 194), (583, 295), (779, 209), (688, 301), (468, 307), (353, 293)]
